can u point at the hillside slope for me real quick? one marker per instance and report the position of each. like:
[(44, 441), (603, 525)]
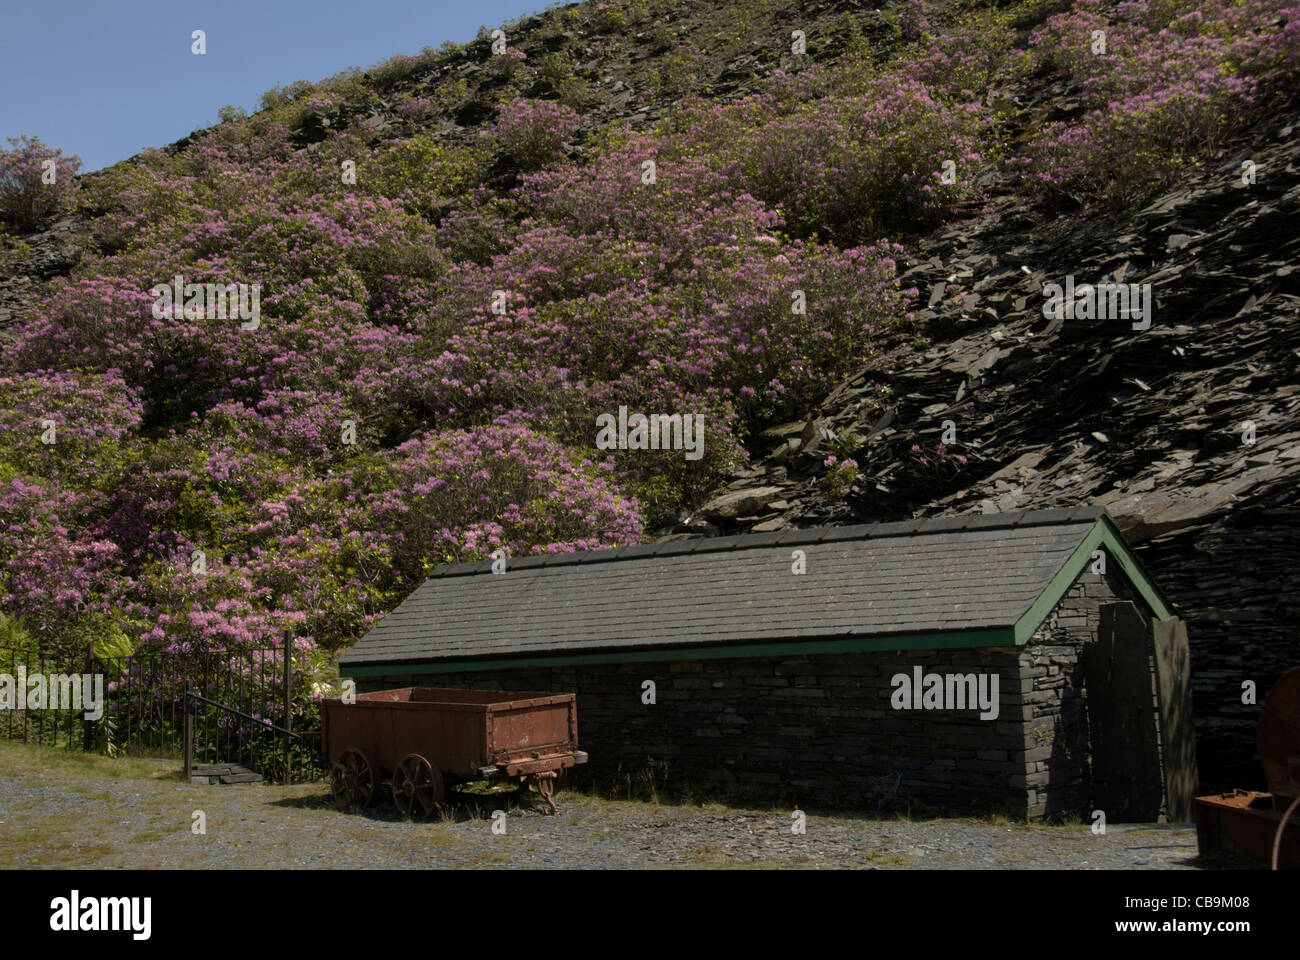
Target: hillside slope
[(927, 360)]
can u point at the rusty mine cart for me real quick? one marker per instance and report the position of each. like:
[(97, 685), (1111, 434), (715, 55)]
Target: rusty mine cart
[(425, 738)]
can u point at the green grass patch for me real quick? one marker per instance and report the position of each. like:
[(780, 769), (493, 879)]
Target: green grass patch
[(17, 757)]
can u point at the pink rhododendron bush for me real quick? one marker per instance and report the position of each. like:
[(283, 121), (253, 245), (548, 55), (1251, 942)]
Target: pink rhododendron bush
[(291, 382), (1164, 82), (531, 131), (36, 183)]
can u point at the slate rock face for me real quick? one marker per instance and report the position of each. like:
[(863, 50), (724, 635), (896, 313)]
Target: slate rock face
[(1149, 424), (49, 253)]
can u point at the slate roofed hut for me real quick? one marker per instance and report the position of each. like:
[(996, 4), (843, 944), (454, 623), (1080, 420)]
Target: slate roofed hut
[(986, 661)]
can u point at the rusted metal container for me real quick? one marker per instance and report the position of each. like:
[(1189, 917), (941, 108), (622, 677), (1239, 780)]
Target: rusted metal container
[(424, 738), (1246, 823), (1263, 826)]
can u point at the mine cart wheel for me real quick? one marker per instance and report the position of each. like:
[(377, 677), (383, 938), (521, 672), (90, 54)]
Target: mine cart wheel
[(417, 786), (353, 780)]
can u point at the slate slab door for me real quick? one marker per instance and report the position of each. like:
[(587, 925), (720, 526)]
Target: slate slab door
[(1177, 728), (1120, 700)]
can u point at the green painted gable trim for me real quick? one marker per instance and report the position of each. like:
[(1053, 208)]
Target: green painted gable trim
[(1104, 534), (899, 642)]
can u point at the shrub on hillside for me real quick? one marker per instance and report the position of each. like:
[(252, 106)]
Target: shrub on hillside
[(278, 96), (398, 68), (555, 67), (461, 495), (578, 94), (530, 132), (1123, 155), (1169, 85), (55, 567), (912, 21), (479, 227), (505, 65), (65, 425), (416, 109), (844, 166), (422, 171), (36, 183)]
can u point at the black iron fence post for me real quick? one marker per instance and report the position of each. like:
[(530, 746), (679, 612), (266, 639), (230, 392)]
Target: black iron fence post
[(87, 738), (189, 735), (288, 700)]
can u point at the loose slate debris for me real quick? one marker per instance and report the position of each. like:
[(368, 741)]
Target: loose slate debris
[(210, 773)]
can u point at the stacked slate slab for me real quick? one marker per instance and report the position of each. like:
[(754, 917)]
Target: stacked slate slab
[(210, 773), (778, 680)]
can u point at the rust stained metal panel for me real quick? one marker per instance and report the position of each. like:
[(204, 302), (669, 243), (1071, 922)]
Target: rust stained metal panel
[(1245, 823), (533, 728), (460, 731), (523, 768)]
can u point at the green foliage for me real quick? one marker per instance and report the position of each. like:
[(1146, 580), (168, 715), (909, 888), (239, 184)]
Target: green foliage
[(663, 37), (394, 70), (840, 478), (67, 643), (555, 67), (531, 132), (15, 637), (349, 86), (682, 73), (611, 20), (504, 66), (450, 95), (36, 183), (421, 172), (1030, 13), (482, 226), (279, 96), (846, 443), (659, 480), (12, 250), (113, 643), (578, 94)]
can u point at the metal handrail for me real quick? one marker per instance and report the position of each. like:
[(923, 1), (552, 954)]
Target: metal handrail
[(191, 696)]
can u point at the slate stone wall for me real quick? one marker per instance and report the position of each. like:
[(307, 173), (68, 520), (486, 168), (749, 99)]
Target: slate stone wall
[(1237, 582), (821, 729), (811, 729), (1054, 696)]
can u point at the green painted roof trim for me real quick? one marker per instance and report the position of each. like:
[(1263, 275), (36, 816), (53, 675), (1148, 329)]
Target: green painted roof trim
[(1104, 534), (796, 648)]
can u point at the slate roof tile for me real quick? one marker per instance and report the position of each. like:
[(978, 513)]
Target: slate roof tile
[(962, 573)]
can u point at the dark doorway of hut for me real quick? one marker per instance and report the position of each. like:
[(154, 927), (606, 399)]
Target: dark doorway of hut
[(1142, 747)]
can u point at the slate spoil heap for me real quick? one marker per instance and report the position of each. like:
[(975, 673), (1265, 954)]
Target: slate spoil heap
[(1060, 413)]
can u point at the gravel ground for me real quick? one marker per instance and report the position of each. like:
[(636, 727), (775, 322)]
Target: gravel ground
[(66, 818)]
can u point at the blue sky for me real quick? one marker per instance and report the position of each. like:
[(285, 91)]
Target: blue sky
[(103, 79)]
